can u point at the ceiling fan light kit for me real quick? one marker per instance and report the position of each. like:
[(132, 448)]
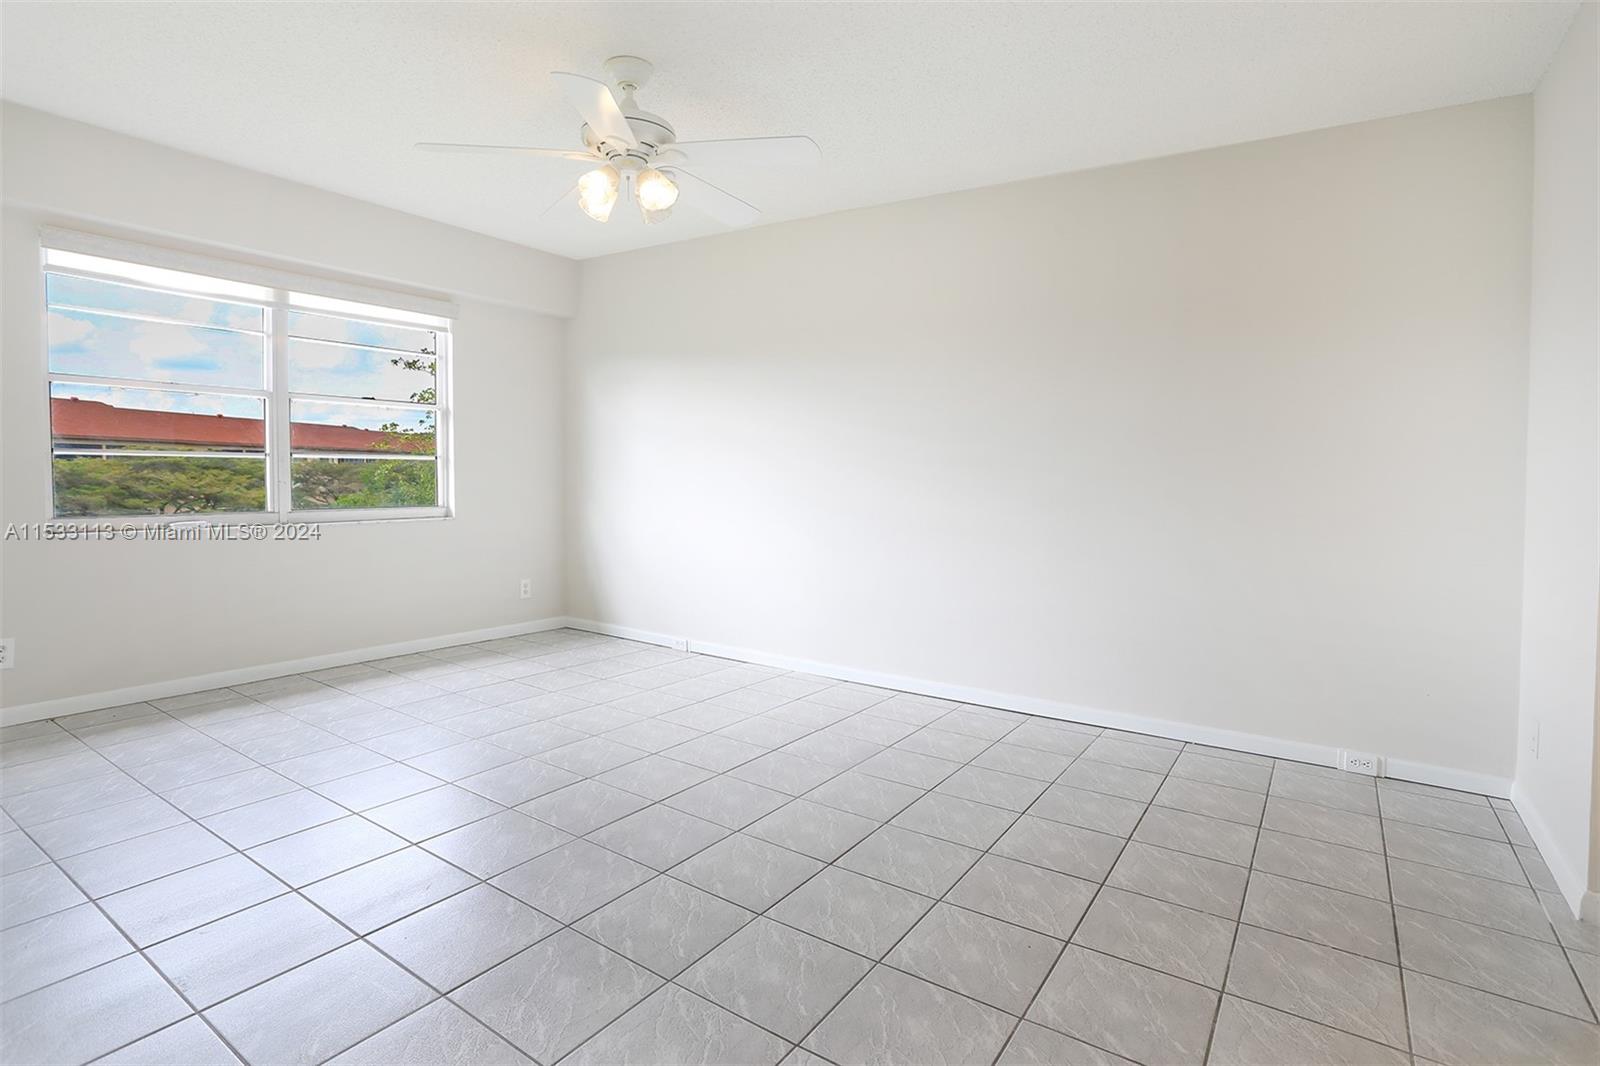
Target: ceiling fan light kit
[(655, 191), (597, 192), (639, 152)]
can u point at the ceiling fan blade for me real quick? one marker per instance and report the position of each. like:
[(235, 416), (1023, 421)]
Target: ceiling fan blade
[(546, 153), (565, 197), (597, 105), (721, 205), (753, 152)]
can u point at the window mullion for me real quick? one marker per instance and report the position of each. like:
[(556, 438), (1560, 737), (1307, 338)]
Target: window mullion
[(362, 401), (160, 320), (444, 445), (278, 448), (60, 377)]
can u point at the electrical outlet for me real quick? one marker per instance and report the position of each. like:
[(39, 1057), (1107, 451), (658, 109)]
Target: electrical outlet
[(679, 644), (1533, 740), (8, 652), (527, 588), (1358, 762)]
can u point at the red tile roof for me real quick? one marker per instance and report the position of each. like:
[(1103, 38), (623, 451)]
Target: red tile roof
[(84, 421)]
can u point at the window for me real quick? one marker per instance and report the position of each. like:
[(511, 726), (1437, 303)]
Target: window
[(177, 394)]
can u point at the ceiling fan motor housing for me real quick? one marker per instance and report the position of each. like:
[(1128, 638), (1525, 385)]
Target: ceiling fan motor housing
[(651, 132)]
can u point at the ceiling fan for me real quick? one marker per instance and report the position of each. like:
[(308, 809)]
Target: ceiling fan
[(639, 153)]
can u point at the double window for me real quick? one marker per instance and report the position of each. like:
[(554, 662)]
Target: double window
[(185, 394)]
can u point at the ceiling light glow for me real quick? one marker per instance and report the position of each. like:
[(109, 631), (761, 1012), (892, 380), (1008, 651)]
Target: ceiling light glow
[(655, 191), (597, 192)]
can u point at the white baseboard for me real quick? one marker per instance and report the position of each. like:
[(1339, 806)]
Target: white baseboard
[(94, 701), (1448, 777), (1275, 747), (1572, 881), (643, 636)]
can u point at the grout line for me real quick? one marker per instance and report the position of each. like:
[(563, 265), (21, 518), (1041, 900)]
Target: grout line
[(1067, 941), (105, 915), (562, 926), (873, 963), (1233, 945), (945, 708), (1583, 989)]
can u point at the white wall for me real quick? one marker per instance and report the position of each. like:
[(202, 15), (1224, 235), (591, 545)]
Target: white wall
[(1231, 439), (91, 617), (1562, 566)]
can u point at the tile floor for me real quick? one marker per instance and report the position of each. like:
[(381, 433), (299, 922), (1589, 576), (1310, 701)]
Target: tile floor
[(574, 849)]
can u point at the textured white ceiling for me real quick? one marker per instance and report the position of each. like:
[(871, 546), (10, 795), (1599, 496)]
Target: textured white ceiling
[(906, 100)]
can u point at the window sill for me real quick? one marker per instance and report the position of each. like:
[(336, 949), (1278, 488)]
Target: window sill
[(118, 523)]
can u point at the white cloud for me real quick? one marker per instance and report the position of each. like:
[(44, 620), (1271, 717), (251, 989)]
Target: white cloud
[(64, 330), (154, 342), (319, 357)]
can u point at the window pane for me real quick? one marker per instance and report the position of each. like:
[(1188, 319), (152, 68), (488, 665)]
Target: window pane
[(362, 334), (344, 483), (151, 427), (149, 485), (106, 418), (362, 373), (90, 332), (95, 295), (360, 429)]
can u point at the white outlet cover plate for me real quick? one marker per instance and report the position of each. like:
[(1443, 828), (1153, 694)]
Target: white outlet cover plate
[(1360, 762)]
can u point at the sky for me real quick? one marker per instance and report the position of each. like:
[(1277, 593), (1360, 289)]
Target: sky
[(223, 344)]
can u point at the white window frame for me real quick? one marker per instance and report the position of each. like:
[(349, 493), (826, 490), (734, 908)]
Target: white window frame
[(277, 292)]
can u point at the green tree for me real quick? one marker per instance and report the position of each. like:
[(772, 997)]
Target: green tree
[(380, 482), (90, 485), (143, 485), (428, 363)]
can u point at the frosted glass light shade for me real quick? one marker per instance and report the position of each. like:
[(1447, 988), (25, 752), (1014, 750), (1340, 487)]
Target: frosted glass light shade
[(597, 192)]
